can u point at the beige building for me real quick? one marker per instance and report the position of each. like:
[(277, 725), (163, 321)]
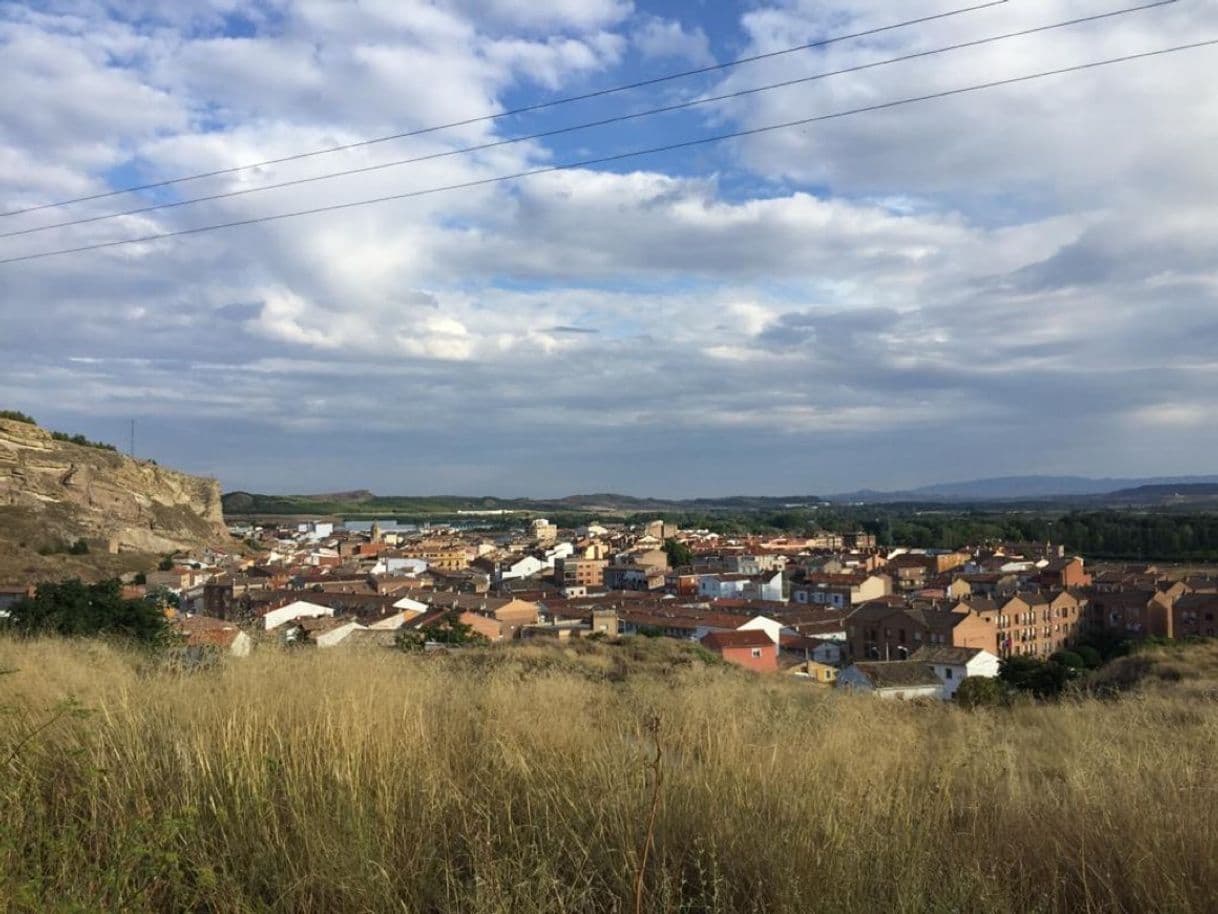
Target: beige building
[(573, 572), (545, 532)]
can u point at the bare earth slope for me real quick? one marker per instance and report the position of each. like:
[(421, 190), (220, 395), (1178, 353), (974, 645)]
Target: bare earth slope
[(56, 491)]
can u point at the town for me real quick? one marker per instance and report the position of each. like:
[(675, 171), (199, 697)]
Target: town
[(831, 609)]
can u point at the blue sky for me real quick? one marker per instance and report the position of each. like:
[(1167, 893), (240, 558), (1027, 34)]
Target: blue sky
[(1017, 281)]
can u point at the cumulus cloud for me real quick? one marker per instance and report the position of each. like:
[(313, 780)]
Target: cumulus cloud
[(663, 38), (882, 300)]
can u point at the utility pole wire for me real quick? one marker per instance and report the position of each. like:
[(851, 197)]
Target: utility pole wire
[(526, 109), (616, 119), (617, 157)]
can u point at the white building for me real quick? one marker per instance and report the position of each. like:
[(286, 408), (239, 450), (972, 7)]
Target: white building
[(741, 586), (952, 665), (902, 679), (316, 530), (524, 567), (399, 567)]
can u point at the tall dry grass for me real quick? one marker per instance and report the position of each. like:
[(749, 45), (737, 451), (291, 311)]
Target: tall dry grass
[(519, 780)]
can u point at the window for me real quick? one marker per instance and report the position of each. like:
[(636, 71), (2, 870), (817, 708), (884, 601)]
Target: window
[(947, 672)]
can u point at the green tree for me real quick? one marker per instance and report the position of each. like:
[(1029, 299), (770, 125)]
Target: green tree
[(162, 597), (982, 691), (74, 609), (1071, 659), (679, 555), (447, 630), (1091, 657), (1042, 678), (410, 640), (451, 630)]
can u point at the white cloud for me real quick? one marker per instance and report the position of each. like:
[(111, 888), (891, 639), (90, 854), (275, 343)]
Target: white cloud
[(989, 264), (663, 38)]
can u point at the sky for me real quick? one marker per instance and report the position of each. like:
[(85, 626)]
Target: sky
[(1017, 280)]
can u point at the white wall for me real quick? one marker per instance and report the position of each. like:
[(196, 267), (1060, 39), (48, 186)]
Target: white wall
[(984, 664), (771, 627), (336, 635), (301, 609), (522, 568), (242, 645)]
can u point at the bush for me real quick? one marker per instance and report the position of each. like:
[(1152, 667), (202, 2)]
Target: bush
[(451, 630), (82, 441), (982, 692), (73, 608), (80, 547), (1090, 655), (17, 416), (1041, 678), (1070, 659), (409, 640)]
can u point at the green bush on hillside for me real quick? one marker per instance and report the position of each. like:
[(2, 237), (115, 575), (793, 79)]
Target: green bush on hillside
[(983, 692), (75, 609), (82, 441)]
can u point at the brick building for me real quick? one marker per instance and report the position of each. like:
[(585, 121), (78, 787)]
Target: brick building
[(882, 631), (1039, 623), (752, 649)]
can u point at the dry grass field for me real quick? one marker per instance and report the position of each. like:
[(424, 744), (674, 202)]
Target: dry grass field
[(525, 779)]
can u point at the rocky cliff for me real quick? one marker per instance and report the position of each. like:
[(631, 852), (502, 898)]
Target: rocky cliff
[(56, 490)]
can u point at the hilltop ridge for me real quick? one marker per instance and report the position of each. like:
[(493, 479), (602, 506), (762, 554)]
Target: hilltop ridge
[(55, 490)]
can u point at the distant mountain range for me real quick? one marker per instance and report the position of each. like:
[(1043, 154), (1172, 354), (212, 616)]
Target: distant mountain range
[(1082, 491), (1024, 488)]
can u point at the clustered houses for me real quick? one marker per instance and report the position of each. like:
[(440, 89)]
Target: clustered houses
[(828, 608)]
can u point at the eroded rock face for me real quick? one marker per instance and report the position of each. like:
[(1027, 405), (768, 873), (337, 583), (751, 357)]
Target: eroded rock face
[(97, 494)]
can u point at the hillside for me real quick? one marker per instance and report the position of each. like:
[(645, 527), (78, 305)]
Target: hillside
[(55, 491), (589, 779)]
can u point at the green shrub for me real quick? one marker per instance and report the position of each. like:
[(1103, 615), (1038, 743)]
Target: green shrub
[(82, 441), (1070, 659), (982, 692), (1090, 655), (17, 416), (73, 608), (1040, 678)]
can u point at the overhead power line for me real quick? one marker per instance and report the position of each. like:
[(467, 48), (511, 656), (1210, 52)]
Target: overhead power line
[(525, 109), (617, 157), (616, 119)]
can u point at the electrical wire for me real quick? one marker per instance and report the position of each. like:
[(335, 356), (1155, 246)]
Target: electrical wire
[(617, 157), (616, 119), (525, 109)]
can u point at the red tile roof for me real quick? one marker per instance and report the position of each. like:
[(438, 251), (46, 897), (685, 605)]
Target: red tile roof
[(717, 641)]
